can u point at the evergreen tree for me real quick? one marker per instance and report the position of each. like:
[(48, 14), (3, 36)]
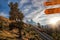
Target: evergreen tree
[(39, 26), (16, 15)]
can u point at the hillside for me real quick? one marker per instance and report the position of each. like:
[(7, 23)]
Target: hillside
[(27, 33)]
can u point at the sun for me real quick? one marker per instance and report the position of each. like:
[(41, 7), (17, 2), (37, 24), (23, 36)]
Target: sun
[(54, 20)]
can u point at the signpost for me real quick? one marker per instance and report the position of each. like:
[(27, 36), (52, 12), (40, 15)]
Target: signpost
[(52, 10)]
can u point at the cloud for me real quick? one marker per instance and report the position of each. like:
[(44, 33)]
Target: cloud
[(22, 3), (34, 9), (37, 3), (26, 9), (39, 15), (3, 14)]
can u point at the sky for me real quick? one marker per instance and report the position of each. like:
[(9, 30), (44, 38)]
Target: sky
[(32, 10)]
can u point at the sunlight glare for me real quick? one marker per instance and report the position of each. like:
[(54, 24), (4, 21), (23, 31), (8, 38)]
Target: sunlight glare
[(54, 20)]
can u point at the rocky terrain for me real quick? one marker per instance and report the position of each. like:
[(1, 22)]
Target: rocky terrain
[(27, 32)]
